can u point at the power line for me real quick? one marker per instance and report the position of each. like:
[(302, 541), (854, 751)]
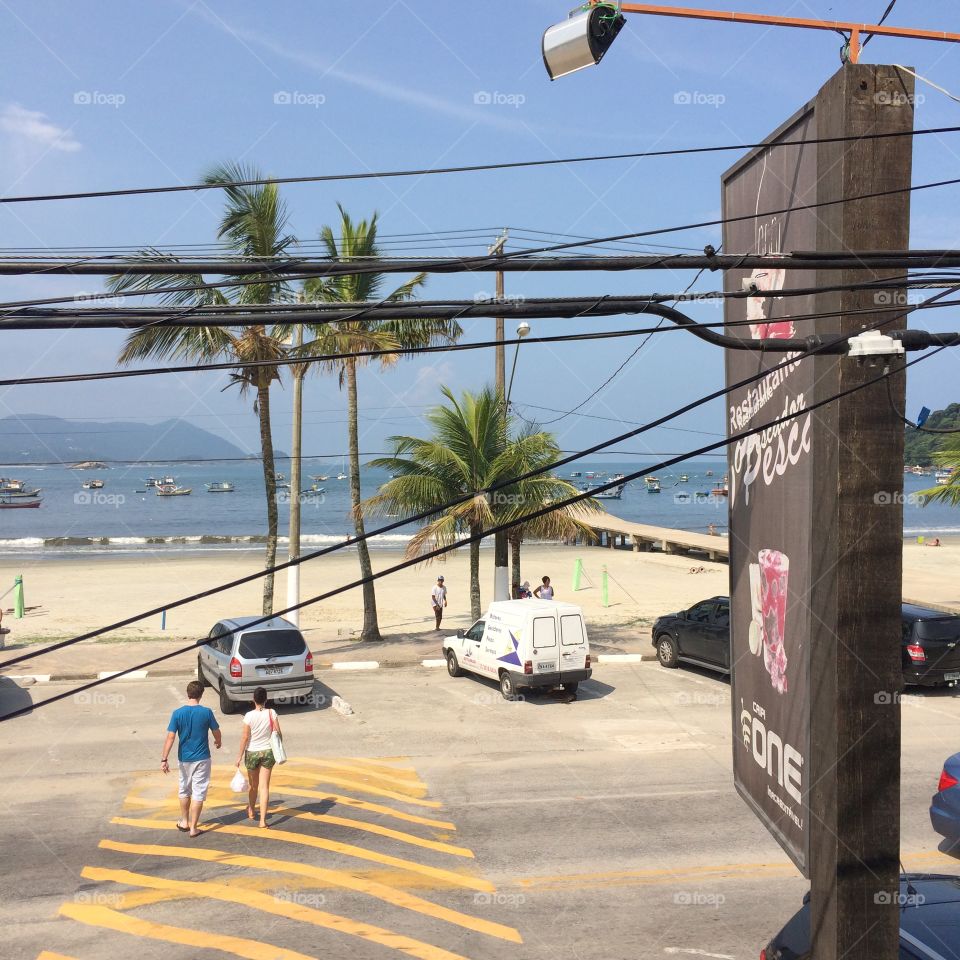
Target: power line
[(468, 168), (440, 551)]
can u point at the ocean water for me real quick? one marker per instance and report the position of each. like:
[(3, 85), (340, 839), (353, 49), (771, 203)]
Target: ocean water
[(125, 517)]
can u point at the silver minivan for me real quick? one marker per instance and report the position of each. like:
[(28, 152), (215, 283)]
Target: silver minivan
[(272, 655)]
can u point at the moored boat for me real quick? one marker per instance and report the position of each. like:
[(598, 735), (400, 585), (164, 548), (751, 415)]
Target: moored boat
[(220, 486), (172, 490), (92, 484), (18, 503), (684, 478)]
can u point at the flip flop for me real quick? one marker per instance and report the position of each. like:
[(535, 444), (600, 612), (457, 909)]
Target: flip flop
[(193, 836), (182, 829)]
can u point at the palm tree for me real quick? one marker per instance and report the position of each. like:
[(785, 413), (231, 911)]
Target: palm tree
[(254, 224), (470, 449), (358, 240), (947, 456)]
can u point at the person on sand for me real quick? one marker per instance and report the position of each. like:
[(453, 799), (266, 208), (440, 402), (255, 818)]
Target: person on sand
[(191, 724), (439, 600), (935, 542), (256, 753), (544, 591)]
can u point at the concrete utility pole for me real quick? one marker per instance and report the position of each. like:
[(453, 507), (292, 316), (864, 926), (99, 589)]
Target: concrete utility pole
[(293, 546), (501, 549)]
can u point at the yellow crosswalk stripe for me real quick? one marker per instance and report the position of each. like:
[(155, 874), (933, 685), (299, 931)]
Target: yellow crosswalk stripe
[(336, 878), (217, 801), (349, 784), (280, 908), (47, 955), (398, 777), (345, 849), (96, 916)]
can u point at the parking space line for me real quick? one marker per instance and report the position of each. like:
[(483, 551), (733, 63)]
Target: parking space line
[(396, 777), (97, 916), (346, 849), (47, 955), (336, 878), (350, 785), (216, 801), (206, 889)]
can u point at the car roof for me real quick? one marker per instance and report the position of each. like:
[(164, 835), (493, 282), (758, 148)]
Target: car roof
[(916, 612), (275, 623)]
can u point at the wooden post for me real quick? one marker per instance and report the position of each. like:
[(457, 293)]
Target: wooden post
[(854, 762)]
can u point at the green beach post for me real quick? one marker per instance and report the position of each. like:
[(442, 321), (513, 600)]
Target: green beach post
[(18, 597), (577, 574), (605, 588)]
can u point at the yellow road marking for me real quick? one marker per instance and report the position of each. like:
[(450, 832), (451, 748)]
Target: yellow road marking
[(47, 955), (399, 777), (280, 908), (350, 785), (346, 849), (95, 916), (340, 800), (388, 763), (336, 878), (215, 802)]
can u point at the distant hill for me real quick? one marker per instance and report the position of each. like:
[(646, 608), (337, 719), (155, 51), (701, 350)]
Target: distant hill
[(34, 438), (920, 447)]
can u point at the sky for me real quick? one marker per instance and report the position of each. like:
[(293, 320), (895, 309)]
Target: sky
[(113, 94)]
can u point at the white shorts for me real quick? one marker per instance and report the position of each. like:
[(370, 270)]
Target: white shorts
[(195, 778)]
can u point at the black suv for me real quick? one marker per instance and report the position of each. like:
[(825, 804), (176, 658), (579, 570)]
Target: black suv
[(931, 646), (700, 635)]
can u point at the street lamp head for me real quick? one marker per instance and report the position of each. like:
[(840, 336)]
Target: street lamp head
[(523, 329), (582, 39)]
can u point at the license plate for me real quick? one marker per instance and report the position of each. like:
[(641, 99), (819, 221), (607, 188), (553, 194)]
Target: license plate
[(269, 671), (952, 676)]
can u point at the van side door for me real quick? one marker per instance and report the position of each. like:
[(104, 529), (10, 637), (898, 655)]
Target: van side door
[(545, 651), (470, 647)]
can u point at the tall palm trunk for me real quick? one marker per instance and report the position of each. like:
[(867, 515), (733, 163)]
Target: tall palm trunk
[(270, 486), (474, 573), (515, 565), (371, 629)]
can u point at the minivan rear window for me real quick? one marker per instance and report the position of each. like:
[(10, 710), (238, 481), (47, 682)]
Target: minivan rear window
[(571, 630), (946, 629), (544, 632), (260, 644)]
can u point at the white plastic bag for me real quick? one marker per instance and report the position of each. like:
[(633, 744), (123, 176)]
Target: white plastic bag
[(239, 782)]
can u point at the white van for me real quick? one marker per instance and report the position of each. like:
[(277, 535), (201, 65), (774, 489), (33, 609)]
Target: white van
[(524, 643)]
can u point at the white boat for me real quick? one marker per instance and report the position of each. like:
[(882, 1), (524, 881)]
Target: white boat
[(319, 477), (615, 494), (943, 477), (166, 481), (576, 474), (653, 485), (150, 482), (341, 476), (221, 486), (92, 484), (683, 478), (172, 490)]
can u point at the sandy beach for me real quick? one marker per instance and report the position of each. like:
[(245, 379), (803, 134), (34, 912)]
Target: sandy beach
[(69, 596)]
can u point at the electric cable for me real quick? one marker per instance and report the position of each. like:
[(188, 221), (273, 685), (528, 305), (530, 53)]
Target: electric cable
[(440, 551), (880, 22), (910, 423), (467, 168)]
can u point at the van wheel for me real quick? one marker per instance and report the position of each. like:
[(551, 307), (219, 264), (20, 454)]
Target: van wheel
[(666, 651), (453, 668), (507, 687), (570, 687), (201, 676), (227, 706)]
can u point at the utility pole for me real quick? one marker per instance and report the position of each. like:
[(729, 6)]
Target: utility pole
[(501, 548), (293, 545)]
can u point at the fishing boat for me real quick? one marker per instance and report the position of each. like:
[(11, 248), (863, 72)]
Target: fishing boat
[(341, 476), (683, 478), (150, 482), (615, 494), (576, 474), (220, 486), (653, 485), (92, 484), (709, 473), (18, 503), (319, 477), (21, 493), (649, 480), (167, 481), (313, 491), (617, 476), (11, 486), (721, 490), (172, 490)]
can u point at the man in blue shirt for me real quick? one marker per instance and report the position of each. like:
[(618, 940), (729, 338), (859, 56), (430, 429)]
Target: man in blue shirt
[(190, 724)]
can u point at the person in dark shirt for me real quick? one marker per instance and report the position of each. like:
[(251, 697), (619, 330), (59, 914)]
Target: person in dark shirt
[(191, 724)]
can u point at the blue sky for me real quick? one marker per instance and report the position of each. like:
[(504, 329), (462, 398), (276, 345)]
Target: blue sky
[(110, 94)]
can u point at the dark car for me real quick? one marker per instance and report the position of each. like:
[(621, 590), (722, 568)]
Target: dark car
[(931, 646), (700, 635), (945, 806), (929, 922)]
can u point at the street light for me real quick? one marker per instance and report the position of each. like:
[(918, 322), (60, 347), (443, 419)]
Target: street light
[(523, 330), (582, 39)]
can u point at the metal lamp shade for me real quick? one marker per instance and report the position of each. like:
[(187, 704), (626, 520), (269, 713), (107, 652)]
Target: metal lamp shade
[(581, 41)]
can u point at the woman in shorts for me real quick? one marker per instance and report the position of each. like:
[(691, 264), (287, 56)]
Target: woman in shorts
[(256, 754)]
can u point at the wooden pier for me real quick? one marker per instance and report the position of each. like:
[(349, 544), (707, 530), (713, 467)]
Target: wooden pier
[(611, 531)]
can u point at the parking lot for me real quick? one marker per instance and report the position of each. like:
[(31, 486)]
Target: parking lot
[(438, 821)]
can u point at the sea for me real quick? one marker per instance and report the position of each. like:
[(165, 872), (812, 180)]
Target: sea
[(125, 517)]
